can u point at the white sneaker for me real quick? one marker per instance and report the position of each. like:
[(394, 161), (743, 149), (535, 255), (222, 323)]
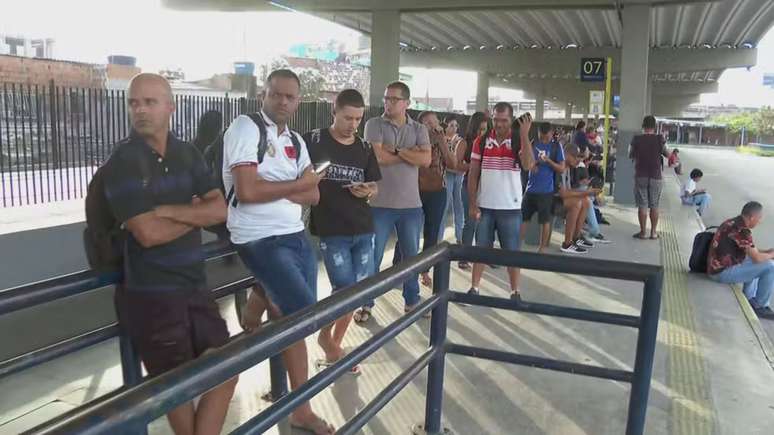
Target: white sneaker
[(574, 249), (583, 243)]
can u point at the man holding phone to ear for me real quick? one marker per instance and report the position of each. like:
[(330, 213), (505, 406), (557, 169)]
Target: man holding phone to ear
[(342, 219)]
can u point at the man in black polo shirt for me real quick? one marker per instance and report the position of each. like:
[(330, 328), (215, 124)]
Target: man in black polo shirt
[(159, 187)]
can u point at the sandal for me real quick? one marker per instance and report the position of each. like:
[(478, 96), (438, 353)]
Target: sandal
[(319, 427), (363, 315), (323, 363), (640, 236), (410, 308), (655, 237)]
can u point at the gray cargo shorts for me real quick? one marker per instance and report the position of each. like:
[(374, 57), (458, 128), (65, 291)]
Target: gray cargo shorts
[(647, 192)]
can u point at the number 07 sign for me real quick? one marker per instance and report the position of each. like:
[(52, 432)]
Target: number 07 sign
[(592, 69)]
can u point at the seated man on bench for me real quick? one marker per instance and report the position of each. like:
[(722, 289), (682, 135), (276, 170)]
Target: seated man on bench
[(574, 194)]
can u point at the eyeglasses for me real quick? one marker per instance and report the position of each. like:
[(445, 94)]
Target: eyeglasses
[(392, 100)]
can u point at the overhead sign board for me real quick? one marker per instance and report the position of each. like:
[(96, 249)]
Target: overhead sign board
[(592, 69)]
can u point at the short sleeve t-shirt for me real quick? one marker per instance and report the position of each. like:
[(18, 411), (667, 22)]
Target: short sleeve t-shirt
[(647, 151), (581, 140), (399, 186), (249, 222), (688, 188), (339, 213), (542, 180), (499, 187), (137, 180), (729, 246)]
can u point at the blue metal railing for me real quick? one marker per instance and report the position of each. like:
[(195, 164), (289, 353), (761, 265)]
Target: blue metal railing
[(136, 406)]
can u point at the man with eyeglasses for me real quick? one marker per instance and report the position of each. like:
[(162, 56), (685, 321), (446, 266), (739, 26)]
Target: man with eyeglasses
[(402, 145)]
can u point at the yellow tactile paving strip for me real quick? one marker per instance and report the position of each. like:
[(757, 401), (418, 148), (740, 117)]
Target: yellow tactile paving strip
[(691, 410)]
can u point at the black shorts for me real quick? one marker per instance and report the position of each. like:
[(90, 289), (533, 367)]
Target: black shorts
[(540, 203), (169, 329)]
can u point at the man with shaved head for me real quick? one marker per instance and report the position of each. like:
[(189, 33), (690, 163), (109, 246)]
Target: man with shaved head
[(160, 189)]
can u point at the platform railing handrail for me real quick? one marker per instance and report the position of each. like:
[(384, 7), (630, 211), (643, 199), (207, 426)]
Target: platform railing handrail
[(49, 290), (141, 404)]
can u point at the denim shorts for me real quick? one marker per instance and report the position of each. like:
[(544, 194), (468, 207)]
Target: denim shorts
[(348, 259), (507, 224), (286, 268)]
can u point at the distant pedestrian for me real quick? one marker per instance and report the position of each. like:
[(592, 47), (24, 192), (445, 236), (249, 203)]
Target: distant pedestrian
[(647, 151)]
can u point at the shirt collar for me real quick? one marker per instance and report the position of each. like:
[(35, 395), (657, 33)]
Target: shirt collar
[(409, 120), (271, 124), (493, 136)]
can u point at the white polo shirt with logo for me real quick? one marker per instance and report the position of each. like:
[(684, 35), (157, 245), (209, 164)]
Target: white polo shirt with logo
[(250, 222)]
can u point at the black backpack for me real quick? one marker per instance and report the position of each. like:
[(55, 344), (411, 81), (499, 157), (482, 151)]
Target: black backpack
[(701, 247), (104, 238)]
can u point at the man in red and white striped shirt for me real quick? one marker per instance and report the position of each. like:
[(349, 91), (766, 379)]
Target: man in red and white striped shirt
[(494, 186)]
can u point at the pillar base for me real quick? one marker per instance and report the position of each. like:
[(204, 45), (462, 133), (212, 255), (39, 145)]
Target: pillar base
[(419, 429)]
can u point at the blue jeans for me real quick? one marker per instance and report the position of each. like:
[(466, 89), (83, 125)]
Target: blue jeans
[(454, 202), (592, 225), (758, 279), (507, 224), (286, 268), (469, 228), (702, 201), (348, 259), (408, 224), (433, 208)]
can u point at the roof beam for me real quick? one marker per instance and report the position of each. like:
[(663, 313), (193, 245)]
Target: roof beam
[(562, 62), (406, 5)]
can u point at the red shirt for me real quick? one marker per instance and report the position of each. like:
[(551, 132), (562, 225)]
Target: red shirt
[(729, 246)]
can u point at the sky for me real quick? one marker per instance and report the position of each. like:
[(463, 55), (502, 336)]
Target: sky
[(206, 43)]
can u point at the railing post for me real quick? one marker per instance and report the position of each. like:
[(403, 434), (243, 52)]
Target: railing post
[(277, 375), (435, 370), (646, 349), (131, 370)]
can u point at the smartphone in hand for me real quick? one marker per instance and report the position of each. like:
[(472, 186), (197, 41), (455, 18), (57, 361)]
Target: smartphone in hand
[(320, 168)]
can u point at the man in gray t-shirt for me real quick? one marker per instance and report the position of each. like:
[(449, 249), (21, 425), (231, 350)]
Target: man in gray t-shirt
[(402, 145)]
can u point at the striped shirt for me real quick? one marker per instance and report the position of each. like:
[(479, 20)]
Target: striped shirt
[(500, 182)]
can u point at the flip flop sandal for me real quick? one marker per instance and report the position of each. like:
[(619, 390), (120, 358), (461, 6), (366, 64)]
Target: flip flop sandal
[(656, 237), (639, 236), (322, 363), (362, 315), (319, 426)]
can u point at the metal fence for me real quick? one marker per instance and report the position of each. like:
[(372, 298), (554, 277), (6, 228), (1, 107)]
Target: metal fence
[(53, 138), (130, 409)]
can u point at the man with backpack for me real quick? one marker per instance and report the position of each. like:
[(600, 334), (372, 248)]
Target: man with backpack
[(268, 177), (494, 187), (541, 185), (343, 219), (158, 187), (734, 258)]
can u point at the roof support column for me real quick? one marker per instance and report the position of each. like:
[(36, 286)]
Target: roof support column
[(540, 104), (385, 52), (568, 114), (634, 94), (482, 92)]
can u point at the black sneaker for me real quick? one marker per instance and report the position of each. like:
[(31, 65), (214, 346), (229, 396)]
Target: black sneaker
[(573, 249), (764, 313), (516, 297), (583, 243), (604, 222), (473, 291), (600, 239)]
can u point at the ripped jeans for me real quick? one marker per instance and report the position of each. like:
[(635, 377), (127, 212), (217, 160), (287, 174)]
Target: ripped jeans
[(348, 259)]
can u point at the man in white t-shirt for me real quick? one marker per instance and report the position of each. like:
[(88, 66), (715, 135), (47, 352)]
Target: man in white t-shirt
[(265, 192), (494, 187), (692, 195)]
